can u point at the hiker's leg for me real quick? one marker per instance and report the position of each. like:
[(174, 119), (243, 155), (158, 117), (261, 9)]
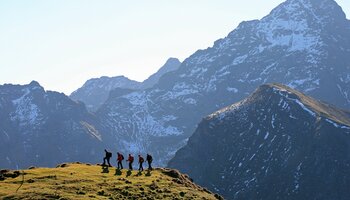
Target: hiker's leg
[(109, 164)]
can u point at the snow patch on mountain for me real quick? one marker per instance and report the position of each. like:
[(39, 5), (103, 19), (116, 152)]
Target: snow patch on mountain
[(285, 93), (26, 111), (7, 135), (168, 118), (337, 125), (190, 101), (142, 120), (232, 89), (289, 26), (239, 59), (179, 90), (137, 98)]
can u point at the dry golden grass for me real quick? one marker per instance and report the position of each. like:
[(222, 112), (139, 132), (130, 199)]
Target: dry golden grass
[(82, 181)]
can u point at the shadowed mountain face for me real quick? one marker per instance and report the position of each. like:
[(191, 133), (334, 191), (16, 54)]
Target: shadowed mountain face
[(276, 144), (39, 127), (304, 44), (96, 91)]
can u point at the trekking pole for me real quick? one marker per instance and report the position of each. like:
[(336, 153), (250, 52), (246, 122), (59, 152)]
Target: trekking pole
[(21, 182)]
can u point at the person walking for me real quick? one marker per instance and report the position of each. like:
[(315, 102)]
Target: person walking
[(149, 161), (130, 160), (107, 158), (141, 160), (120, 159)]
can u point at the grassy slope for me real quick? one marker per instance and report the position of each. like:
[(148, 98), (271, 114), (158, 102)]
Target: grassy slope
[(81, 181)]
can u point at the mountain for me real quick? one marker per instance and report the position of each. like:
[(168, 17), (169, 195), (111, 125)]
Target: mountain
[(96, 91), (39, 127), (304, 44), (276, 144), (172, 64), (85, 181)]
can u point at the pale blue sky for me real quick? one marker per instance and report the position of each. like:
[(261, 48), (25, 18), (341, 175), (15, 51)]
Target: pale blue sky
[(62, 43)]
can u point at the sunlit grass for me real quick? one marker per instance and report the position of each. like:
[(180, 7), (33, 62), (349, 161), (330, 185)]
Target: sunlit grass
[(81, 181)]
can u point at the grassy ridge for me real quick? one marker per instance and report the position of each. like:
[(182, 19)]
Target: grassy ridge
[(84, 181)]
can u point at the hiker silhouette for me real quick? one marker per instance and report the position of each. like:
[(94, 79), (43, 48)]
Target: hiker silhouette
[(141, 160), (120, 158), (130, 160), (107, 157), (149, 161)]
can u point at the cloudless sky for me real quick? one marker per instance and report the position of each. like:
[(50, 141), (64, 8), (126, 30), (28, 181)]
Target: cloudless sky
[(63, 43)]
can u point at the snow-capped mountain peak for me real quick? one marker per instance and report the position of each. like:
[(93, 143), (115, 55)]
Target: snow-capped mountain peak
[(303, 44)]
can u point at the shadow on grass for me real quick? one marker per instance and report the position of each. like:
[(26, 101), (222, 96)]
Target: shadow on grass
[(105, 169), (148, 173), (128, 173), (118, 172)]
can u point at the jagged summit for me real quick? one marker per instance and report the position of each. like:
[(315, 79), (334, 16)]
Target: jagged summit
[(34, 83), (172, 60), (298, 25), (172, 64), (311, 9)]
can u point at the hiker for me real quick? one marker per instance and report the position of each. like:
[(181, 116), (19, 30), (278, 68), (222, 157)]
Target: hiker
[(107, 157), (149, 160), (130, 160), (120, 159), (141, 160)]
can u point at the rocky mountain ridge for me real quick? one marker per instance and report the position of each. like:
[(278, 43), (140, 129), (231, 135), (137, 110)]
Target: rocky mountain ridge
[(276, 144)]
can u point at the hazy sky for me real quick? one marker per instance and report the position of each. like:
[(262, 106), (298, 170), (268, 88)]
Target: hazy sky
[(62, 43)]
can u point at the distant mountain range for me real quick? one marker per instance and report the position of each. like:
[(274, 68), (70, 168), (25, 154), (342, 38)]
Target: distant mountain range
[(40, 128), (96, 91), (304, 44), (275, 144)]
